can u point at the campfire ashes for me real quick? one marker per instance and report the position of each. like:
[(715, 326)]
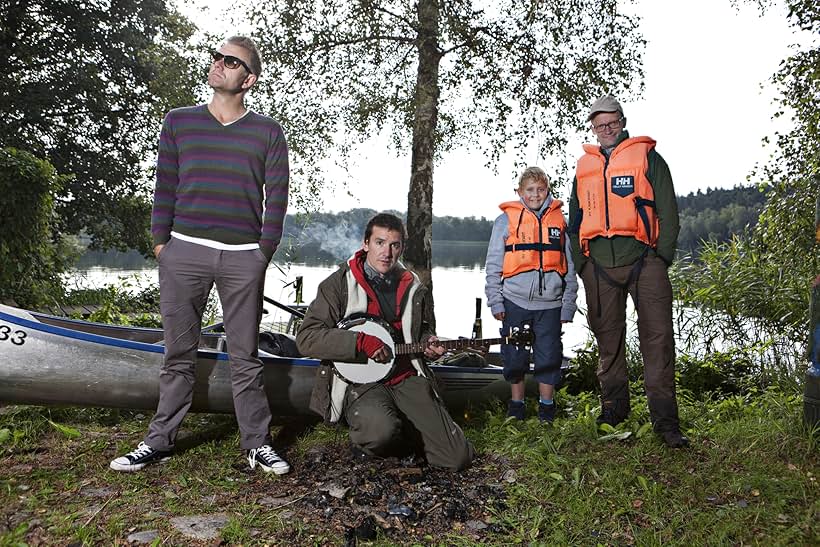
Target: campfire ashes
[(331, 488)]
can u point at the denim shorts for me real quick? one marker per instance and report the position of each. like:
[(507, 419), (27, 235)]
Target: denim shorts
[(547, 350)]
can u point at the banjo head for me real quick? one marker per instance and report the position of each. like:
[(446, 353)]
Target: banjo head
[(371, 371)]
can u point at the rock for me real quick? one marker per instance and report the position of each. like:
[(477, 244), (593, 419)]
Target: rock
[(103, 492), (315, 456), (401, 511), (146, 536), (335, 490), (509, 476), (200, 526), (475, 525)]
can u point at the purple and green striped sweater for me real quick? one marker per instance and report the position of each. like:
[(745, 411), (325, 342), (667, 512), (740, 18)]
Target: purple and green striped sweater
[(213, 180)]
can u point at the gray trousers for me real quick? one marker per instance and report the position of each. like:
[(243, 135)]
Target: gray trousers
[(384, 420), (187, 272)]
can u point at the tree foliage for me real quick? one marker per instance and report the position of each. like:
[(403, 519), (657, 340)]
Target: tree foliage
[(30, 255), (794, 172), (434, 75), (717, 215), (85, 84), (755, 290), (335, 236)]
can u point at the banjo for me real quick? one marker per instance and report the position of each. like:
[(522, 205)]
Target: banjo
[(373, 371)]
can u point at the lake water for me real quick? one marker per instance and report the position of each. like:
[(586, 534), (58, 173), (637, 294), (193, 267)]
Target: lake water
[(458, 279)]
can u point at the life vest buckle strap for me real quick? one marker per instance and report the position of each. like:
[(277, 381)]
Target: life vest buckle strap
[(539, 247)]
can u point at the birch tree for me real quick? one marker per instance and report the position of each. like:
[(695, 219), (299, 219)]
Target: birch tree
[(435, 75)]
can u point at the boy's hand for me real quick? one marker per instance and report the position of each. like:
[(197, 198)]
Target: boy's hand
[(500, 315)]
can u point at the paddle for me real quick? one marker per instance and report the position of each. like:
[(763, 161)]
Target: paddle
[(477, 323), (293, 311)]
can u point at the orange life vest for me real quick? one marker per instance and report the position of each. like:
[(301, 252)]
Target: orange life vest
[(533, 243), (615, 197)]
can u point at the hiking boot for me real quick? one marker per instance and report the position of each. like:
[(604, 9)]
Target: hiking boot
[(546, 413), (138, 458), (515, 409), (613, 412), (675, 439), (267, 458), (608, 416)]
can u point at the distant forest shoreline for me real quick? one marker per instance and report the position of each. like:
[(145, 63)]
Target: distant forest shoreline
[(715, 214)]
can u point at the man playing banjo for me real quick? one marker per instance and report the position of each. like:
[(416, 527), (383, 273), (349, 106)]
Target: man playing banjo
[(398, 410)]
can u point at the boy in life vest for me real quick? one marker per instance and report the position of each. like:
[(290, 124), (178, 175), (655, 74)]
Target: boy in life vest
[(531, 281)]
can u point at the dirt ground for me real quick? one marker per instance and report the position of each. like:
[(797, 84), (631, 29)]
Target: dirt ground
[(331, 493)]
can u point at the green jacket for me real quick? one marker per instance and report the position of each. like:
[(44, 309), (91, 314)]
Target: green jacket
[(320, 338), (622, 250)]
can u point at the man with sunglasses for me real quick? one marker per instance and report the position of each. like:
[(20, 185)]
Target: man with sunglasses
[(219, 207), (623, 229)]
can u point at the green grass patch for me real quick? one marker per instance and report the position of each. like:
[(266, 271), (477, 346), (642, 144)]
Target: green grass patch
[(750, 477)]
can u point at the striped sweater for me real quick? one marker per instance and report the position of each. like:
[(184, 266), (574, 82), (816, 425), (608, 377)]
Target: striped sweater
[(213, 181)]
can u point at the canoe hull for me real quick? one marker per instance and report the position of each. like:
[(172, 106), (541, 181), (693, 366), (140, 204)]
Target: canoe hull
[(46, 360)]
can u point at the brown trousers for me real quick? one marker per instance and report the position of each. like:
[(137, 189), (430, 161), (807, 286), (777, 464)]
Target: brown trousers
[(187, 272), (606, 304)]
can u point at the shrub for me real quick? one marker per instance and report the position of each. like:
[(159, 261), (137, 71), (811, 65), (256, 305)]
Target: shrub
[(32, 255), (719, 373)]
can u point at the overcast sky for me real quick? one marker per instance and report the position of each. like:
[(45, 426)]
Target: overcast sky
[(707, 102)]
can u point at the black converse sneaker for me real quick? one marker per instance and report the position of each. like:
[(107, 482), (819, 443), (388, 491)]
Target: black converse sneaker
[(267, 458), (139, 458)]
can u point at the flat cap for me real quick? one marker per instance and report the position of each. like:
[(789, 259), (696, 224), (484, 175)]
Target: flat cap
[(607, 103)]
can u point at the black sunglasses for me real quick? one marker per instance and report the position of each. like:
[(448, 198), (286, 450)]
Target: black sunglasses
[(230, 61)]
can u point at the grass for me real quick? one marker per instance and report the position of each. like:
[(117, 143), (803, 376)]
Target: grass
[(750, 477)]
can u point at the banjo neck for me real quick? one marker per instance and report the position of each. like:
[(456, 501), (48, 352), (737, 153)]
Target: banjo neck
[(373, 371), (461, 343)]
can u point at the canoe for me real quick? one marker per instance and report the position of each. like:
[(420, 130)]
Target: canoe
[(51, 360)]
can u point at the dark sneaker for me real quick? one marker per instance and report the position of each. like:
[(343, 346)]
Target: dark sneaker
[(140, 457), (675, 439), (546, 413), (267, 458), (515, 409)]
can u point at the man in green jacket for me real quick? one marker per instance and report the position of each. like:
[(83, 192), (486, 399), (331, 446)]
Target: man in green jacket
[(623, 229), (402, 411)]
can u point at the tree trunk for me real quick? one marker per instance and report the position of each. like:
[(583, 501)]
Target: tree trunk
[(418, 254)]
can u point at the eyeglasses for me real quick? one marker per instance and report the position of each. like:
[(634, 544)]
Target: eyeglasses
[(612, 126), (230, 61)]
